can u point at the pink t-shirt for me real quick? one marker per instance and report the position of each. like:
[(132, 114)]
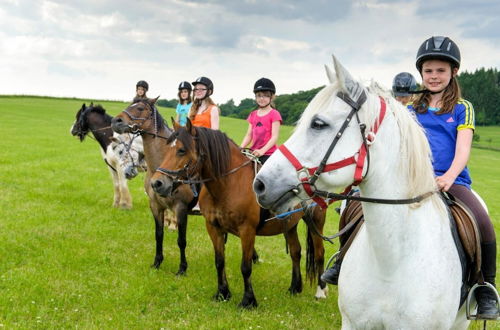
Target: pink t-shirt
[(262, 128)]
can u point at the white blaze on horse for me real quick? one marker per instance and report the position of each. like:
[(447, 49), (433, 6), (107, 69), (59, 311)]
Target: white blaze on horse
[(95, 119), (403, 268)]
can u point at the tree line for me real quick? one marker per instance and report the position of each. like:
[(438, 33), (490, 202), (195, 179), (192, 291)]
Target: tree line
[(481, 88)]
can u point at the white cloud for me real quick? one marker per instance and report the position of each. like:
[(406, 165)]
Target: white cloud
[(99, 49)]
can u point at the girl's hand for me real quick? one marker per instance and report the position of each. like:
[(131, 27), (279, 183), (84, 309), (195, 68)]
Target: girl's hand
[(445, 181), (257, 153)]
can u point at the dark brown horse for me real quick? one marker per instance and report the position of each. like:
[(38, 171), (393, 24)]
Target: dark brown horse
[(143, 117), (228, 204)]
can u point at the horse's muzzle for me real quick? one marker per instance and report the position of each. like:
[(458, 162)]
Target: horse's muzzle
[(163, 186), (119, 126)]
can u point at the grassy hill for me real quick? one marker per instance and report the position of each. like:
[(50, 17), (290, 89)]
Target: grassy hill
[(68, 259)]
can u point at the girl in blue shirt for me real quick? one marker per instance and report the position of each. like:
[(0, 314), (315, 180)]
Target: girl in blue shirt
[(184, 104), (449, 124)]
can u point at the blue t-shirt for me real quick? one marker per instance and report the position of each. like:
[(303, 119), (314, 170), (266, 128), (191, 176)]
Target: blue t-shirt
[(441, 130), (182, 110)]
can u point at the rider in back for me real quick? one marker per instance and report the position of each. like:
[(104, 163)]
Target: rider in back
[(403, 86), (264, 122), (449, 123)]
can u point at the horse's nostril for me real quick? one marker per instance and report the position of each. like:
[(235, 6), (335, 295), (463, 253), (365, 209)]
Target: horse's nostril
[(259, 187), (156, 184)]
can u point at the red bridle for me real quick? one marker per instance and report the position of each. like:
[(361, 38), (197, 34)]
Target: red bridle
[(308, 176)]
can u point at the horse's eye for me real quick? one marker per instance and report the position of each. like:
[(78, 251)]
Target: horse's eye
[(181, 152), (318, 124), (121, 152)]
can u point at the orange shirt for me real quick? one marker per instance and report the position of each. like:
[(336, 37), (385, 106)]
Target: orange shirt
[(204, 119)]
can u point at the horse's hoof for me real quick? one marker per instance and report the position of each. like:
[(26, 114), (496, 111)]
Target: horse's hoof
[(321, 293), (156, 264), (295, 290), (248, 303), (180, 273), (220, 296), (125, 206)]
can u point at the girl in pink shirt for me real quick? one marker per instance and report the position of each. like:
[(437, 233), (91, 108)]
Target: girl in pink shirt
[(264, 122)]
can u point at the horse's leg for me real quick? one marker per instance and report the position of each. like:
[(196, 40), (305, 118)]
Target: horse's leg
[(247, 238), (114, 177), (181, 222), (125, 198), (255, 256), (158, 217), (295, 250), (316, 251), (170, 220), (217, 237)]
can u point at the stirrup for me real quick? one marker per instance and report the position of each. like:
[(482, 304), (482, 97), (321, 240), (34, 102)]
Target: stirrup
[(332, 259), (469, 298)]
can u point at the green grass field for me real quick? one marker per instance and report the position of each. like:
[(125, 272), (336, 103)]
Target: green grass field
[(70, 260)]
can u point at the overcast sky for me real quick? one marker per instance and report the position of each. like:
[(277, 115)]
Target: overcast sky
[(99, 49)]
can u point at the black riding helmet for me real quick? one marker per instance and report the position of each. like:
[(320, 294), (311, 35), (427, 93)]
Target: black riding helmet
[(142, 83), (403, 84), (185, 85), (439, 48), (264, 84), (207, 82)]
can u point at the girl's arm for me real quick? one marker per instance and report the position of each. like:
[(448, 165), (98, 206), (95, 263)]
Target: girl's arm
[(275, 130), (248, 137), (214, 118), (462, 153)]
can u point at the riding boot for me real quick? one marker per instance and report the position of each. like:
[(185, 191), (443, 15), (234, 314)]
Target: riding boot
[(486, 298), (331, 275)]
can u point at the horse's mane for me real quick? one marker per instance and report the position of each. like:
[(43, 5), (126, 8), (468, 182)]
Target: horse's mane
[(213, 146), (96, 108), (414, 148)]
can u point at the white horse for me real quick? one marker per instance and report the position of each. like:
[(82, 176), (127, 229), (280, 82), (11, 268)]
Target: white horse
[(129, 150), (402, 270)]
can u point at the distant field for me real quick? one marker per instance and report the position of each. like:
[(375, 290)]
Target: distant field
[(489, 137), (69, 260)]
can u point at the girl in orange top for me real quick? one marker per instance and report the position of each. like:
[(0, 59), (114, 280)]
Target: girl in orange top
[(204, 112)]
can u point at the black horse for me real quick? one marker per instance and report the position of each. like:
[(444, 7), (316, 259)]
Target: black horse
[(95, 119)]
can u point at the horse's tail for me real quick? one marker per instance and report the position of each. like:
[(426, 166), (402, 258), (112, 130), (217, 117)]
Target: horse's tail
[(315, 219), (311, 269)]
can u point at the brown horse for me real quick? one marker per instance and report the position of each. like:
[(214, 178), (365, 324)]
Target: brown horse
[(228, 203), (143, 117)]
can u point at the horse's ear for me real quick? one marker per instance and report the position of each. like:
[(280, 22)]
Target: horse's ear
[(91, 104), (330, 74), (175, 125), (153, 101), (190, 127), (83, 106), (351, 86)]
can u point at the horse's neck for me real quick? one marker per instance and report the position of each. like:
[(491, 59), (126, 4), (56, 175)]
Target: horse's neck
[(229, 182), (393, 231), (100, 126), (154, 148)]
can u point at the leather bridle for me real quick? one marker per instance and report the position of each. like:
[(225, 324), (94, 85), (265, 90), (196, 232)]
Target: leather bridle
[(309, 175)]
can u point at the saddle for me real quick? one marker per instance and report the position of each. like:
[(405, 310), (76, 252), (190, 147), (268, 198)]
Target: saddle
[(464, 229), (468, 233)]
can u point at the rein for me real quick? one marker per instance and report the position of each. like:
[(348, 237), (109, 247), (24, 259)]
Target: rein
[(174, 174)]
